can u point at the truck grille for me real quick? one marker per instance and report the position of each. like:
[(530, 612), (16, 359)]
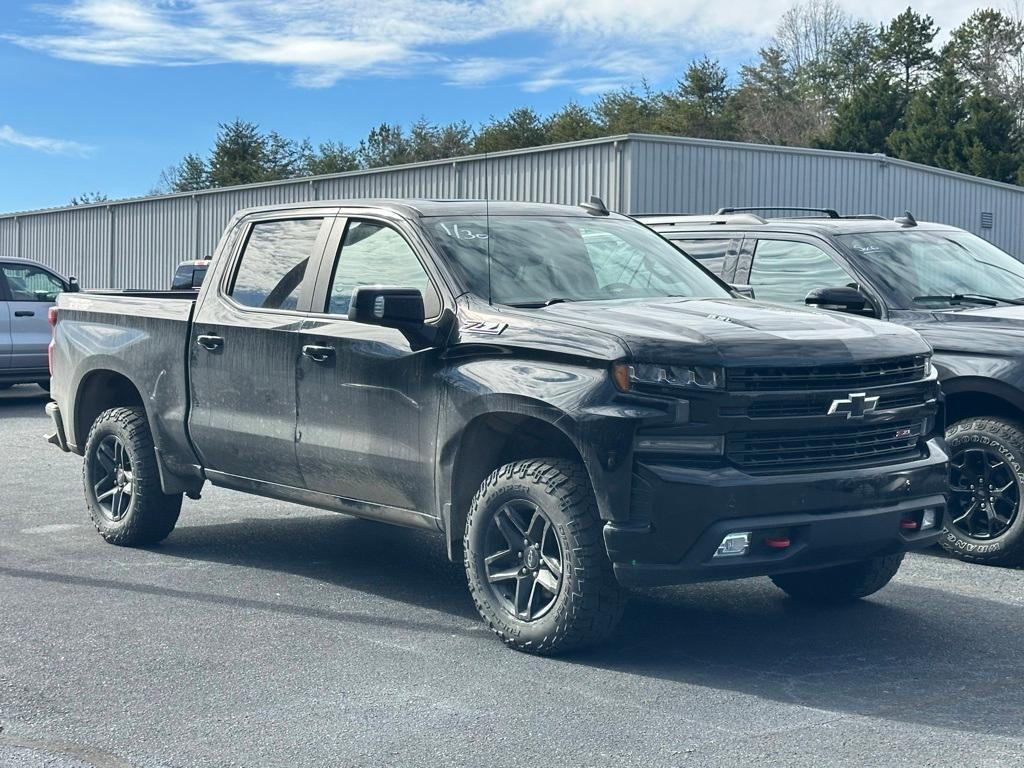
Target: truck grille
[(818, 406), (808, 451), (848, 377)]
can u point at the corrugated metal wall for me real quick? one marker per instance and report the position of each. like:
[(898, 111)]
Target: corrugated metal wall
[(137, 243), (692, 176)]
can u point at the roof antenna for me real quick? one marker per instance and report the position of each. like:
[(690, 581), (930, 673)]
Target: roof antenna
[(906, 220), (595, 207)]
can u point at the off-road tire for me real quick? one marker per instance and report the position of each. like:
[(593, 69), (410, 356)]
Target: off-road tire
[(1007, 438), (590, 601), (842, 583), (151, 514)]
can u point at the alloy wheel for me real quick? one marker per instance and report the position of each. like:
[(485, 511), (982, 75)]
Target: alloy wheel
[(112, 478), (986, 494), (523, 560)]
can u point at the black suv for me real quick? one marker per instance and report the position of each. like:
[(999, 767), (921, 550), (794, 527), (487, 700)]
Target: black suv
[(961, 293)]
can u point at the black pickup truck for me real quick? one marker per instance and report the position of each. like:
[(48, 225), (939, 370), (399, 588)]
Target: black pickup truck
[(572, 405), (960, 292)]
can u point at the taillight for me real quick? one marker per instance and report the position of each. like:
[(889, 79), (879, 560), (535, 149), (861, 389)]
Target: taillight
[(52, 317)]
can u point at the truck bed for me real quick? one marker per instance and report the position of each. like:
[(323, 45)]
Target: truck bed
[(140, 335)]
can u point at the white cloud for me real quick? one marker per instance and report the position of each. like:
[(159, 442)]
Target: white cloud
[(11, 137), (591, 44)]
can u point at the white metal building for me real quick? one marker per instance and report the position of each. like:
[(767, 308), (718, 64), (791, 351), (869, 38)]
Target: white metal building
[(137, 243)]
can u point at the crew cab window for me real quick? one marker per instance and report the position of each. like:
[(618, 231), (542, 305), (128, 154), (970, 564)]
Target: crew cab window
[(372, 253), (274, 263), (785, 271), (28, 283), (711, 253)]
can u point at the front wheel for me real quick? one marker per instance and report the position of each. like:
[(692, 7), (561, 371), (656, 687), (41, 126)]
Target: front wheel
[(985, 521), (535, 558), (841, 583), (122, 484)]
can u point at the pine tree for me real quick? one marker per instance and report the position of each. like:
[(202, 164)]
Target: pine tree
[(930, 131), (627, 110), (571, 123), (905, 48), (865, 121), (989, 139), (239, 155), (521, 128), (698, 106)]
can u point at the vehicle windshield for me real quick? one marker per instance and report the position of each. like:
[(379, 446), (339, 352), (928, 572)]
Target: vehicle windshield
[(541, 260), (937, 268)]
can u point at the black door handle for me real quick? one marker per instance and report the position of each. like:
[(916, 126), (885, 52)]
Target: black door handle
[(24, 313), (318, 354), (210, 342)]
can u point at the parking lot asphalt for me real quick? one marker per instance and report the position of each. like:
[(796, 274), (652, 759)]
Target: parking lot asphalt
[(266, 634)]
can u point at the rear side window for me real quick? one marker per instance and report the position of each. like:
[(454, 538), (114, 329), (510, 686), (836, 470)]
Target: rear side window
[(711, 253), (28, 283), (786, 271), (273, 264), (375, 254)]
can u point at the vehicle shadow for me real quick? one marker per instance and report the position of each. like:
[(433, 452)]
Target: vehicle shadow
[(913, 654), (23, 400)]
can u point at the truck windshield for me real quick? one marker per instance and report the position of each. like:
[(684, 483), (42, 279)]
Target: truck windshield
[(541, 260), (922, 268)]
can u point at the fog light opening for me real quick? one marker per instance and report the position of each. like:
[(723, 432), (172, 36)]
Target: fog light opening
[(929, 519), (734, 545)]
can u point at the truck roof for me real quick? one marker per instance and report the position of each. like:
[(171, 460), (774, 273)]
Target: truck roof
[(422, 207)]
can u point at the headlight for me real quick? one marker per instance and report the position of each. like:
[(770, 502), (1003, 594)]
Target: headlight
[(927, 367), (629, 375)]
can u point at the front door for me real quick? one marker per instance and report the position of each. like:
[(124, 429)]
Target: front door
[(368, 404), (32, 291), (243, 351)]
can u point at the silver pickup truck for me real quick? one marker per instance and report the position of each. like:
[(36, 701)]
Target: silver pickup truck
[(27, 291)]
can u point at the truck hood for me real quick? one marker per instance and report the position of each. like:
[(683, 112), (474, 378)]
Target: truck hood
[(738, 332), (977, 330)]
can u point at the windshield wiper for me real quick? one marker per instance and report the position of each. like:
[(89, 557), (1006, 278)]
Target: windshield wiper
[(970, 298), (538, 304)]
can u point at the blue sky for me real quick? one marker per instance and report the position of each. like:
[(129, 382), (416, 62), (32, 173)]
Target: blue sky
[(101, 95)]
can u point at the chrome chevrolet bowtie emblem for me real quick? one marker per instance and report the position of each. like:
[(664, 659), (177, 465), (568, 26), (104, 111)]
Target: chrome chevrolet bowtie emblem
[(854, 406)]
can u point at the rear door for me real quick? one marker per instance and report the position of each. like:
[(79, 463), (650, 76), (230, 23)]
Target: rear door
[(243, 348), (368, 402), (32, 291)]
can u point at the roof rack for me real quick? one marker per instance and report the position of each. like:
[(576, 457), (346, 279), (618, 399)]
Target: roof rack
[(670, 220), (830, 212)]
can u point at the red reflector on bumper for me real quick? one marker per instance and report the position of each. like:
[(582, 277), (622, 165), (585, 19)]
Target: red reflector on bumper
[(908, 525), (777, 542)]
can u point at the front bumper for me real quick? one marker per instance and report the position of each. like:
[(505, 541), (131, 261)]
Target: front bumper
[(680, 515)]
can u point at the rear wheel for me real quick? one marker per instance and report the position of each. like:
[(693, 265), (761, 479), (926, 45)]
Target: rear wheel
[(840, 584), (535, 558), (985, 522), (122, 484)]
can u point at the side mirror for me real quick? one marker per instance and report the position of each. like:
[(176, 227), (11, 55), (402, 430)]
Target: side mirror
[(393, 307), (743, 290), (841, 299), (73, 286)]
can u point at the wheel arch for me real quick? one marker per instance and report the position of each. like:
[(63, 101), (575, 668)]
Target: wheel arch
[(969, 396), (491, 440)]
